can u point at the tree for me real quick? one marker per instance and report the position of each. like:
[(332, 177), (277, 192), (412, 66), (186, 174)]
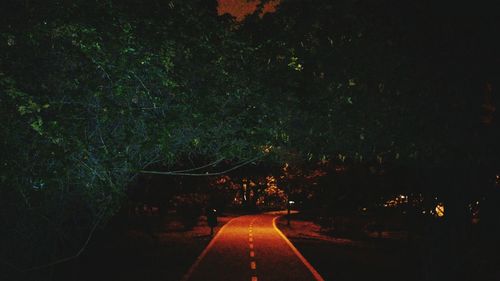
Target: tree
[(390, 81), (93, 92)]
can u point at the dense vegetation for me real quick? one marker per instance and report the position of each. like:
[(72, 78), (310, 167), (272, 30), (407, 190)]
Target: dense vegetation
[(94, 92)]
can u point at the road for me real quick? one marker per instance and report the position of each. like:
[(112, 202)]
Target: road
[(251, 248)]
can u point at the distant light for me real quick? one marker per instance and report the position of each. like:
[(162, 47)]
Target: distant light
[(291, 202), (364, 209), (439, 210), (267, 148)]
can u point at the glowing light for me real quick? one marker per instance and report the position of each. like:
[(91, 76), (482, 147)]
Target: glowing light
[(439, 210), (396, 201), (285, 167), (222, 180), (242, 8), (267, 148)]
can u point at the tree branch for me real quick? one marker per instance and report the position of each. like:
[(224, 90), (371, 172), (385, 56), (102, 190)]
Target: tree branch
[(80, 251), (199, 168), (181, 173)]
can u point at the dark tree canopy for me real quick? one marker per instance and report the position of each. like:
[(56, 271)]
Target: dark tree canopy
[(93, 92)]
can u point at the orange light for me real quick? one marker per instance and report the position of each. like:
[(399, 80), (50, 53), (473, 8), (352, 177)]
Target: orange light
[(439, 210), (242, 8)]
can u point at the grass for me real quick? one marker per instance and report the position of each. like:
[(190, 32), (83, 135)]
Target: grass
[(128, 252), (344, 259)]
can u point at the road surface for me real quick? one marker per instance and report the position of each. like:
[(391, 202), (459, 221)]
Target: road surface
[(251, 248)]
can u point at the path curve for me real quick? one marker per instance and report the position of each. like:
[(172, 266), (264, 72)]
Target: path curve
[(251, 248)]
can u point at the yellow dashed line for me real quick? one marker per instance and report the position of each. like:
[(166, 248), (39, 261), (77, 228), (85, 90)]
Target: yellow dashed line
[(253, 265)]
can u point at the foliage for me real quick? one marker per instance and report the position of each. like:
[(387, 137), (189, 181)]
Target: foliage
[(372, 81), (189, 207), (93, 92)]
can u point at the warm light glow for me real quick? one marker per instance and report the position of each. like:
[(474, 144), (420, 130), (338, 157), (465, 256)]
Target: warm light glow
[(285, 168), (267, 148), (242, 8), (439, 210), (398, 200), (222, 180)]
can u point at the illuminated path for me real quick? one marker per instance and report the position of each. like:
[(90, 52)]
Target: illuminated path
[(251, 248)]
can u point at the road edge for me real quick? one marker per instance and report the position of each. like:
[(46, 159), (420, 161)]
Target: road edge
[(205, 251), (314, 272)]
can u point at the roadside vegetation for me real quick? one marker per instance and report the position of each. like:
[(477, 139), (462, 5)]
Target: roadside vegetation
[(121, 108)]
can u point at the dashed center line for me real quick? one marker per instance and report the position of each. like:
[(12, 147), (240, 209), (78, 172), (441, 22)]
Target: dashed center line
[(253, 265)]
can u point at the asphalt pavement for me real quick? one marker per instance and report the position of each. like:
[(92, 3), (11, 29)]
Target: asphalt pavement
[(251, 248)]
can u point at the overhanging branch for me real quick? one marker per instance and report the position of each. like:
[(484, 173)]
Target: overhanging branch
[(199, 168), (185, 173)]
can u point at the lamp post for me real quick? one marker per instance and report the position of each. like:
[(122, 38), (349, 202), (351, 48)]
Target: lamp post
[(288, 205)]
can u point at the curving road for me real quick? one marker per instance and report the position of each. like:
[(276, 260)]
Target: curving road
[(251, 248)]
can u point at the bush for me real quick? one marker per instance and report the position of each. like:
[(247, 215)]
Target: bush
[(189, 208)]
